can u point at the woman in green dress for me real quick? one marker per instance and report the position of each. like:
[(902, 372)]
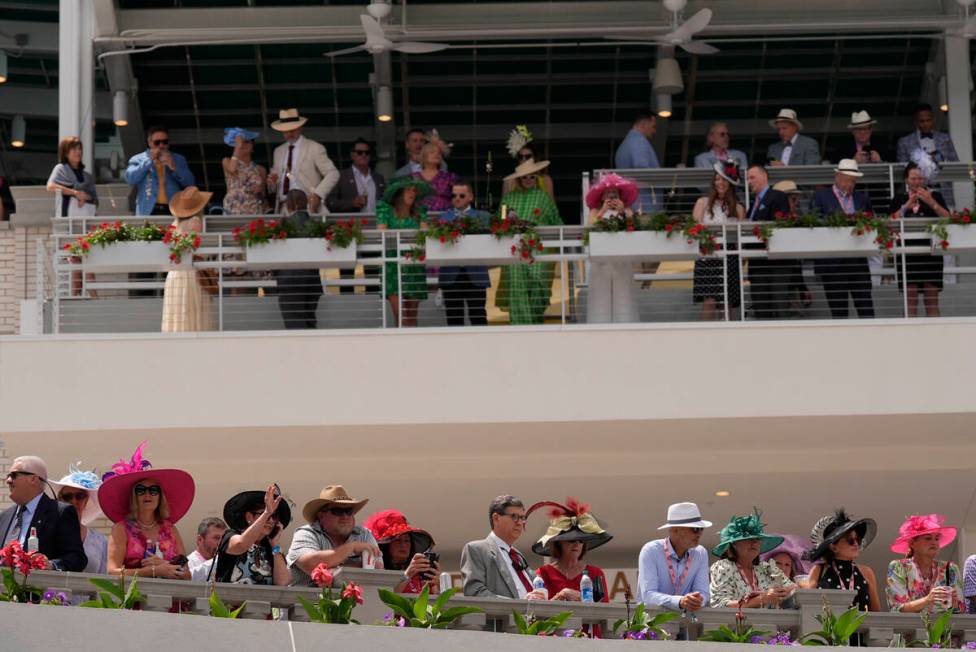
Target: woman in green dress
[(400, 209), (525, 290)]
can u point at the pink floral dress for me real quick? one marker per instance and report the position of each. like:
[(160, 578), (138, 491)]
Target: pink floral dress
[(442, 183), (906, 583), (135, 549)]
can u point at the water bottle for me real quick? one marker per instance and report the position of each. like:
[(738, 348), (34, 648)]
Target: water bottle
[(150, 549), (32, 542), (446, 582), (586, 587), (539, 584)]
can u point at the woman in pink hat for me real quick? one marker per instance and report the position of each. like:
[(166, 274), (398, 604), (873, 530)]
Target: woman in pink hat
[(610, 295), (405, 548), (920, 582), (145, 503)]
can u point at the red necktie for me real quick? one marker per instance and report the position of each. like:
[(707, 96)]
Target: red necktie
[(517, 564), (288, 170)]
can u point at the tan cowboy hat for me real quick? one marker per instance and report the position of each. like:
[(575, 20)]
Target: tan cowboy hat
[(789, 187), (861, 119), (527, 168), (288, 119), (848, 166), (789, 115), (334, 494), (189, 202)]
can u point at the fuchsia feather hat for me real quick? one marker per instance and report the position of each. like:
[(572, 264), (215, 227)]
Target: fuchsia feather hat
[(116, 490), (916, 526)]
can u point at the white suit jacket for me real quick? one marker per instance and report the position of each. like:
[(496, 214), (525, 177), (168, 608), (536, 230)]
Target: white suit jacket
[(314, 170)]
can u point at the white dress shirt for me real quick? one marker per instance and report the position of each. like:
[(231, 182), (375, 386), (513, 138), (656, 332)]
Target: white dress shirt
[(294, 184), (788, 149), (29, 510), (366, 186), (507, 562), (198, 566)]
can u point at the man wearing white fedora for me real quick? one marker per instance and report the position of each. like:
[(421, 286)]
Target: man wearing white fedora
[(843, 276), (792, 148), (300, 164), (673, 572), (859, 147)]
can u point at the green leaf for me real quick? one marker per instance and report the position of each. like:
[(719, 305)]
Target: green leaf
[(217, 607), (450, 615), (420, 604), (91, 604), (617, 625), (519, 622), (443, 598), (401, 606), (313, 611), (110, 586), (237, 612)]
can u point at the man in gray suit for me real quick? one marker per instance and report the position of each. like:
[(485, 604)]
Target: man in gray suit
[(793, 147), (492, 567)]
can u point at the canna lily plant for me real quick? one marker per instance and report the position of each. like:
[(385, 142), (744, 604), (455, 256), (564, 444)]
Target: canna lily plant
[(421, 613), (330, 609)]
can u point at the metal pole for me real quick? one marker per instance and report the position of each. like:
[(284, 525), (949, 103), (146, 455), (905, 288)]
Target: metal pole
[(904, 272), (725, 270), (958, 80)]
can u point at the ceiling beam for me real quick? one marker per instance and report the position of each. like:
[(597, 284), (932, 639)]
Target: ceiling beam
[(120, 76)]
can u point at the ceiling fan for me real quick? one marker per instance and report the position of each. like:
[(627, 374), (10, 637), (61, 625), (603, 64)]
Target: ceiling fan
[(968, 29), (682, 32), (377, 42)]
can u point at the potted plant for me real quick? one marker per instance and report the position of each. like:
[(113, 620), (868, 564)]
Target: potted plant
[(330, 609), (420, 612), (116, 247), (463, 241), (274, 244), (649, 238), (952, 234), (14, 557), (642, 626), (836, 235)]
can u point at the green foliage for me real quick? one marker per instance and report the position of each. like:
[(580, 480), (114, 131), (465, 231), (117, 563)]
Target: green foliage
[(741, 634), (14, 592), (220, 610), (531, 626), (642, 623), (938, 632), (114, 596), (420, 612), (835, 630)]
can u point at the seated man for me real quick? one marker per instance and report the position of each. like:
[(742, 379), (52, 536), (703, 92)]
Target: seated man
[(330, 537), (673, 572), (209, 533), (492, 567), (56, 523)]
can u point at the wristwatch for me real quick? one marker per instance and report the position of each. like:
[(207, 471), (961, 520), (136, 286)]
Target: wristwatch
[(276, 550)]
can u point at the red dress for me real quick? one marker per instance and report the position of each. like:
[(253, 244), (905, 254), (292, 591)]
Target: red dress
[(556, 582)]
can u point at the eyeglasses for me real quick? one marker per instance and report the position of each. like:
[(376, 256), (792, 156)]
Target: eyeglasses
[(13, 475), (142, 490), (461, 195), (361, 152), (518, 518), (161, 141), (340, 511), (721, 133), (69, 497)]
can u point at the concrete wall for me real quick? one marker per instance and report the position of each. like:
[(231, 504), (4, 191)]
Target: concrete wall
[(18, 269)]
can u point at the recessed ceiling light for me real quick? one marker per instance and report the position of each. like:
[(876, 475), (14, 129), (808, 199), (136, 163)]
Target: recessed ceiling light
[(723, 493)]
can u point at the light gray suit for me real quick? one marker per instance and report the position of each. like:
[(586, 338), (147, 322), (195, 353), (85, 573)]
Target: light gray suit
[(485, 571), (806, 151)]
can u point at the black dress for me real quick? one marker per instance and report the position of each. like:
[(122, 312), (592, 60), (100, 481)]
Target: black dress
[(862, 599), (921, 268)]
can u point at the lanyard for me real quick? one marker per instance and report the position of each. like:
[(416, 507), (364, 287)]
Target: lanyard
[(676, 581), (754, 583), (928, 583), (840, 580), (845, 205)]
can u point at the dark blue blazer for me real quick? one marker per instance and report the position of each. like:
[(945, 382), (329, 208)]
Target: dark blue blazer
[(58, 533), (825, 203), (478, 275)]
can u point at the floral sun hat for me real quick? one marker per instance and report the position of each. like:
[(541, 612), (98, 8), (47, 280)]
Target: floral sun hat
[(86, 480)]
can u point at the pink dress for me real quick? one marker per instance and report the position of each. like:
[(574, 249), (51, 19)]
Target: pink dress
[(442, 183), (135, 548)]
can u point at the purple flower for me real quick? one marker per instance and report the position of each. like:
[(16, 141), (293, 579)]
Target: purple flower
[(971, 645), (568, 633), (635, 636), (652, 635), (936, 645), (756, 640), (48, 595)]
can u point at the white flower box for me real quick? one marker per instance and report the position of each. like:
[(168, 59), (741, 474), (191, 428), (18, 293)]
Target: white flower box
[(961, 238), (631, 246), (825, 241), (300, 253), (134, 256), (480, 249)]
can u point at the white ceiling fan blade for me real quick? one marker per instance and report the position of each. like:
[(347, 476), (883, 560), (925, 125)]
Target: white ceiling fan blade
[(372, 27), (689, 28), (633, 39), (969, 29), (698, 47), (410, 47), (339, 53)]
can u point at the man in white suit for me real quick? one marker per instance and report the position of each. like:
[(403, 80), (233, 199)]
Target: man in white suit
[(300, 164)]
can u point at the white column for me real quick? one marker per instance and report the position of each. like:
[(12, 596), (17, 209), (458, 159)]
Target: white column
[(76, 74), (960, 115)]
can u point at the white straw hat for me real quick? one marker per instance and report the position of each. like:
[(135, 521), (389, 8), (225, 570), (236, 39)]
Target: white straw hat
[(789, 115), (685, 515)]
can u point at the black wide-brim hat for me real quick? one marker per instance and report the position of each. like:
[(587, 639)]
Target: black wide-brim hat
[(235, 508), (832, 528), (573, 534)]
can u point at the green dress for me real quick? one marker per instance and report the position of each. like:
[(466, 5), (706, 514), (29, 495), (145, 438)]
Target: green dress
[(524, 290), (414, 276)]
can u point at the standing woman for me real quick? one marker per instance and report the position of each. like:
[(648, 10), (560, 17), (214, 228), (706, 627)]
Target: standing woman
[(924, 271), (920, 582), (525, 289), (80, 488), (440, 180), (145, 504), (523, 147), (249, 552), (721, 206), (838, 541), (739, 579), (400, 208), (245, 179), (186, 305), (79, 196), (610, 298)]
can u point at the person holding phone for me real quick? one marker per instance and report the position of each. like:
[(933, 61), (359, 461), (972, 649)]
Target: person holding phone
[(738, 578), (406, 548), (250, 550)]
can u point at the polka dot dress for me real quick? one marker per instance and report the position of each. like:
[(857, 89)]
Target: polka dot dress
[(829, 580)]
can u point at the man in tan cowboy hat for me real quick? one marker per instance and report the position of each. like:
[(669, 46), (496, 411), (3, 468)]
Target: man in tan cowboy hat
[(300, 163), (331, 536), (793, 148), (860, 148)]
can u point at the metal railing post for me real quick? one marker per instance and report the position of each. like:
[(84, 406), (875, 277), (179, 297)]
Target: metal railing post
[(564, 273), (725, 271), (904, 271), (220, 283)]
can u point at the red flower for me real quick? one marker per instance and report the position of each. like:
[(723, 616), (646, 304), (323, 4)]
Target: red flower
[(329, 235), (525, 253), (455, 235), (443, 238), (353, 591), (9, 553), (630, 227), (172, 257), (539, 248), (364, 221), (423, 257), (38, 561), (965, 218), (236, 231), (85, 245), (944, 244), (532, 242), (321, 575), (889, 244), (197, 241), (513, 248), (67, 247), (281, 235), (669, 228), (536, 211), (859, 232)]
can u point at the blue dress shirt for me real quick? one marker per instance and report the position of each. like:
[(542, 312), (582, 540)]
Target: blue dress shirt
[(756, 203), (635, 152), (141, 173), (29, 510), (654, 580)]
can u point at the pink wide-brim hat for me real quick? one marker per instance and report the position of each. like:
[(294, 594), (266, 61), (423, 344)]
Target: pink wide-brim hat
[(916, 526), (115, 493), (626, 187), (794, 546)]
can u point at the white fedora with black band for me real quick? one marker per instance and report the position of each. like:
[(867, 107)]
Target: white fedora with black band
[(788, 115), (288, 119), (849, 167), (685, 515), (861, 119)]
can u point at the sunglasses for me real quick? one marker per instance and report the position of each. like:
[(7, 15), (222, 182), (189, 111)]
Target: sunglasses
[(340, 511), (530, 177), (361, 152), (721, 133), (13, 475), (461, 195), (142, 490), (68, 497), (852, 540), (518, 518), (161, 141), (697, 530), (524, 157)]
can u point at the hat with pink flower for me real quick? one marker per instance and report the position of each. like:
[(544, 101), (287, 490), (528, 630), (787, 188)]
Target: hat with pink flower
[(916, 526), (626, 188)]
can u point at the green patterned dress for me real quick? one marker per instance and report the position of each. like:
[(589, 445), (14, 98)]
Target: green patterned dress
[(414, 276), (524, 290)]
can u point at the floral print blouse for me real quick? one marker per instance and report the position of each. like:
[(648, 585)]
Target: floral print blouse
[(442, 183), (726, 584), (905, 583)]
